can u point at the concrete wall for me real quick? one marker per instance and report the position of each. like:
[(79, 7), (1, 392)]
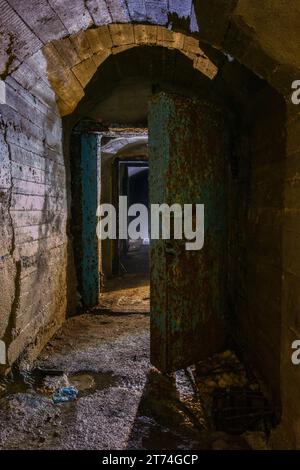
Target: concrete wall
[(288, 434), (33, 220), (256, 234)]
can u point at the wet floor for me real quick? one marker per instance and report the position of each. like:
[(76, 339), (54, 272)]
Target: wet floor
[(122, 402)]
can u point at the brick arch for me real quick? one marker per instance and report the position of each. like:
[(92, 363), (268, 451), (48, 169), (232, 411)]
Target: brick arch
[(73, 61), (239, 28)]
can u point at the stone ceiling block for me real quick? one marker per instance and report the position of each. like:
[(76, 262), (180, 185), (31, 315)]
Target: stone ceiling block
[(84, 71), (137, 10), (121, 34), (145, 34), (157, 12), (165, 37), (101, 56), (118, 11), (82, 44), (104, 37), (67, 51), (73, 14), (99, 11), (41, 19)]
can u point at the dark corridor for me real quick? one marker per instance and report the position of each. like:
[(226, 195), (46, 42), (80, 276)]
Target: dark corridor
[(165, 103)]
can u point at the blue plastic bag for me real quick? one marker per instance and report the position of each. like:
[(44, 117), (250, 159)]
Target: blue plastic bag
[(64, 394)]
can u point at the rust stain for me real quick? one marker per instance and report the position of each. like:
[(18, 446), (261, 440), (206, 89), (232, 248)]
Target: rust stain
[(188, 165)]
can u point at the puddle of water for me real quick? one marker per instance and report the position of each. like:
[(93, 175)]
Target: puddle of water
[(16, 383), (46, 381), (87, 382)]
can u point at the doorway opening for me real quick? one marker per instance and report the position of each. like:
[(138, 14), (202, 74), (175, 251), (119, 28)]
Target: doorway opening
[(203, 148), (133, 184), (125, 262), (112, 274)]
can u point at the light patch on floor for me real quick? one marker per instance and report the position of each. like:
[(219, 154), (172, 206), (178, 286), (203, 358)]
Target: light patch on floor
[(130, 293)]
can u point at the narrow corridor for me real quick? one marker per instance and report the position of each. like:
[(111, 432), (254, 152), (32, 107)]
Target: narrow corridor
[(123, 403), (149, 143)]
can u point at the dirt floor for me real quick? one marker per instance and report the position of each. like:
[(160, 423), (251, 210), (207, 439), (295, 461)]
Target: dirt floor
[(127, 294), (123, 403)]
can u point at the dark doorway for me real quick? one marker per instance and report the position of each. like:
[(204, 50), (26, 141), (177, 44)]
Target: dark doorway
[(133, 183)]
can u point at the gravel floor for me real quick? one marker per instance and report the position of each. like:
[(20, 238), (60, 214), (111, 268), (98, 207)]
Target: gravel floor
[(123, 403)]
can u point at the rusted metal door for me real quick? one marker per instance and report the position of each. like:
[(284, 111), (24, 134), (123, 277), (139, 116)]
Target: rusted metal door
[(188, 165)]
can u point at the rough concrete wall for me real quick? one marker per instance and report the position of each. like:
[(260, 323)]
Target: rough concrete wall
[(290, 383), (256, 235), (33, 219), (264, 36)]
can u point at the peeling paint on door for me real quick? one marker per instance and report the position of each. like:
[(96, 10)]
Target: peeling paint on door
[(188, 165)]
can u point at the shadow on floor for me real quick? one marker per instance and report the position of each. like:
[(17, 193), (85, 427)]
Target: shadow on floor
[(165, 421), (160, 422)]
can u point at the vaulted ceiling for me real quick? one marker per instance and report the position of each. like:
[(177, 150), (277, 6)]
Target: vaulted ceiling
[(53, 47)]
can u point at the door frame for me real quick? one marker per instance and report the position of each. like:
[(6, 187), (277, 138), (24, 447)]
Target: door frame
[(86, 197), (115, 201)]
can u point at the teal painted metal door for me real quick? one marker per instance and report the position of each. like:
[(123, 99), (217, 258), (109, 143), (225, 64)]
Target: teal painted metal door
[(90, 178), (188, 165)]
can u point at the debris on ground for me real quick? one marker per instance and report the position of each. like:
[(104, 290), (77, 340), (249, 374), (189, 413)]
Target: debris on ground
[(121, 401), (51, 383), (65, 394), (232, 399), (238, 410)]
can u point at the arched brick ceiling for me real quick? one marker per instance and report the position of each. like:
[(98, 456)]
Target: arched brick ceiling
[(27, 25), (261, 35), (72, 62)]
